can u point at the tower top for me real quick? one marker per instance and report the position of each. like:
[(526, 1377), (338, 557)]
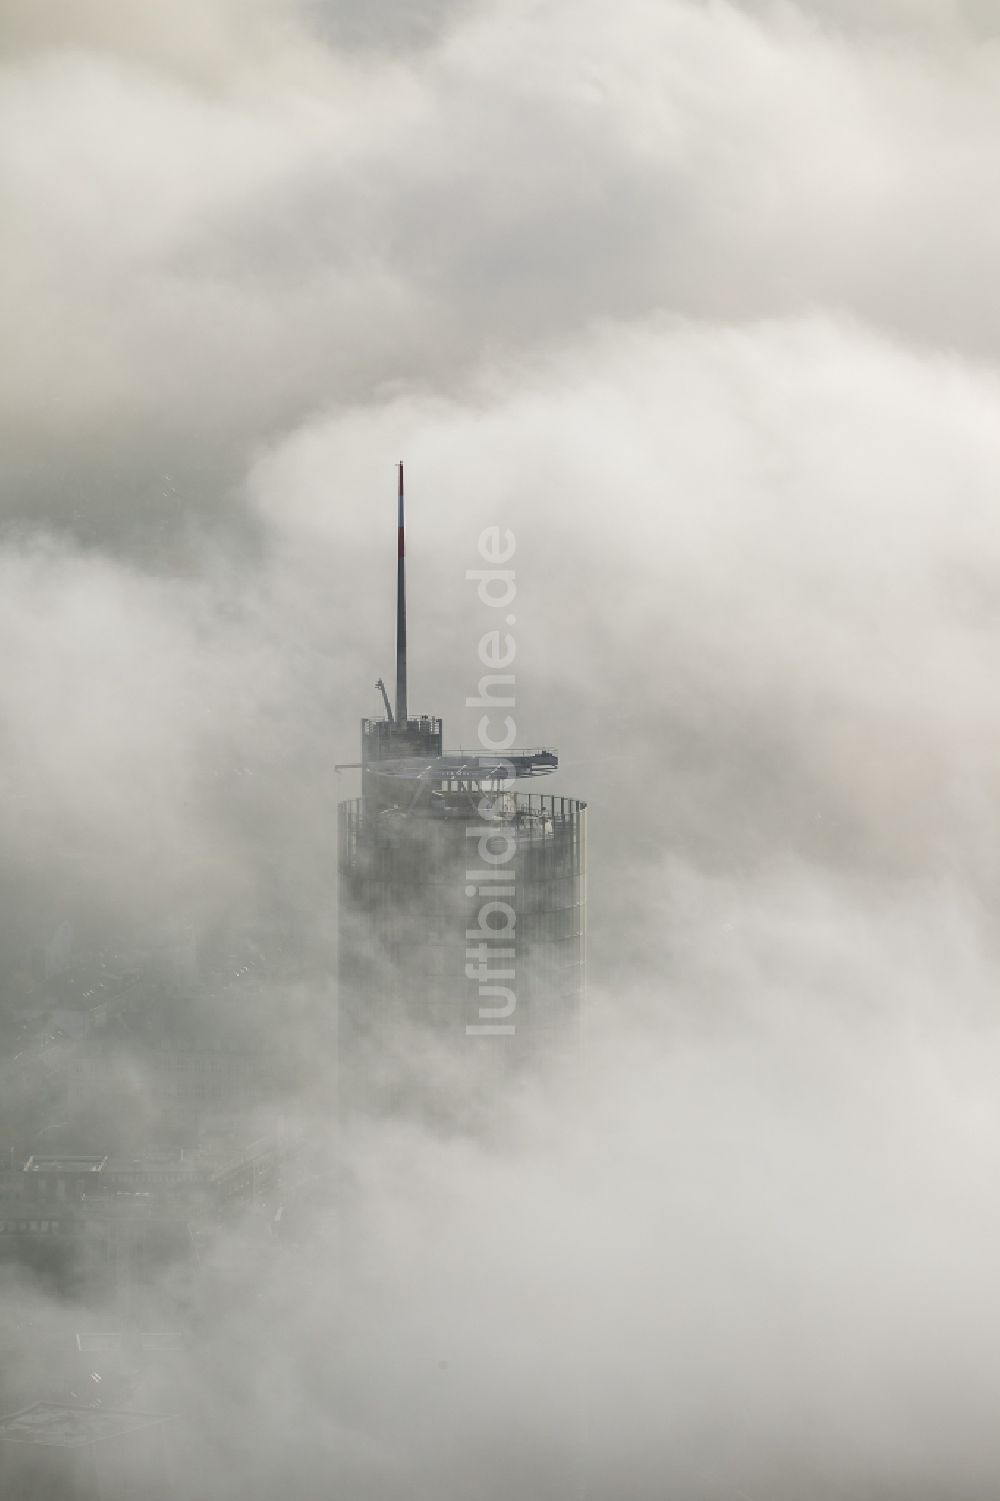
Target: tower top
[(405, 757)]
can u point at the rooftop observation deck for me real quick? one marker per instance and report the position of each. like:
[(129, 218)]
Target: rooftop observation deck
[(465, 766)]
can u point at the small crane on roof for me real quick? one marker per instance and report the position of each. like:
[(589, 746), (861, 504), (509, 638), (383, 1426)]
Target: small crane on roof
[(385, 699)]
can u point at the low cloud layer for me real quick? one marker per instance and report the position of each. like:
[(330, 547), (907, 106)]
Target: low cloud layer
[(697, 299)]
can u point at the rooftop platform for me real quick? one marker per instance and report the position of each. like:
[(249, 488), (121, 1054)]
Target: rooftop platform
[(65, 1426), (469, 766)]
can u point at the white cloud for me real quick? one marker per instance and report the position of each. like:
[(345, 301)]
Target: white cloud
[(698, 299)]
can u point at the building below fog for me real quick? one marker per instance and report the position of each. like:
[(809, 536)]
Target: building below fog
[(54, 1451), (89, 1222)]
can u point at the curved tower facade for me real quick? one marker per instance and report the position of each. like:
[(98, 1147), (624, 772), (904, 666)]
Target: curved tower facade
[(462, 903)]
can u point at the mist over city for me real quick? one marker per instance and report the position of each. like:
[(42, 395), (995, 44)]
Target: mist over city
[(695, 302)]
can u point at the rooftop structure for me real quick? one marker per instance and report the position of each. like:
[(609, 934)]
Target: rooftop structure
[(57, 1450), (462, 901), (70, 1427), (216, 1171)]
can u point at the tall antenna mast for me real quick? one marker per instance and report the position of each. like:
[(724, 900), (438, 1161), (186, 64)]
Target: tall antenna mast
[(401, 714)]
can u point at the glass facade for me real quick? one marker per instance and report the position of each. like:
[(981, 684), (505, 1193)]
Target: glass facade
[(463, 918)]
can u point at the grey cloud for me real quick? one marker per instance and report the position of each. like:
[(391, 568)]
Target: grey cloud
[(195, 269), (697, 299)]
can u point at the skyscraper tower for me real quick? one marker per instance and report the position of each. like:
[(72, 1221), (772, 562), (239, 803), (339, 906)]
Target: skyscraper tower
[(462, 903)]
